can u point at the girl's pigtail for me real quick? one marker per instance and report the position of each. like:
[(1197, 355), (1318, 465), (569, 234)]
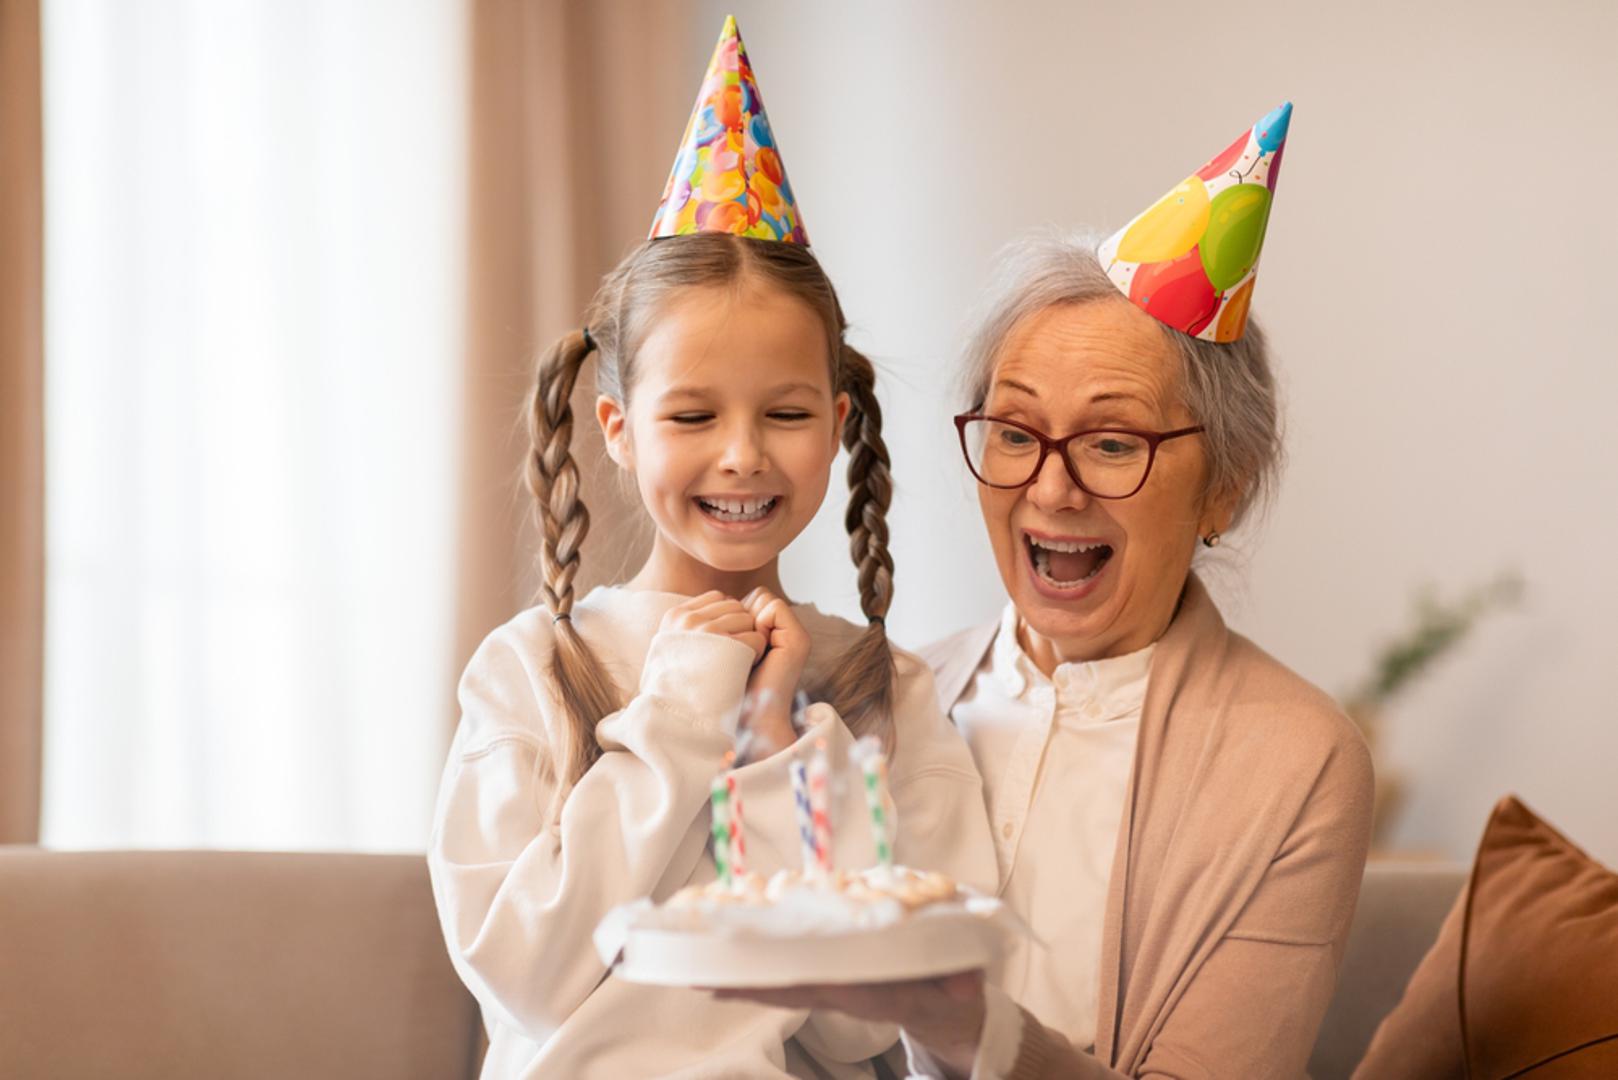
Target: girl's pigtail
[(587, 693), (863, 687)]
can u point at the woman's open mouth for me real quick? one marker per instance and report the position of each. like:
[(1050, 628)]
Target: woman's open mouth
[(1066, 564), (749, 510)]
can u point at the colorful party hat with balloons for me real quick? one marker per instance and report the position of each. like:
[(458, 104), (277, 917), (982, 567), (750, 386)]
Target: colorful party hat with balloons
[(728, 176), (1190, 260)]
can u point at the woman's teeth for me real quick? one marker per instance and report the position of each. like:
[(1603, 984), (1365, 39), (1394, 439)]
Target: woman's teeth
[(734, 510), (1068, 563)]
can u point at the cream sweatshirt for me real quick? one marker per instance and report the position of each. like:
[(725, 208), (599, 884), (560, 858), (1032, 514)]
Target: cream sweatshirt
[(519, 895)]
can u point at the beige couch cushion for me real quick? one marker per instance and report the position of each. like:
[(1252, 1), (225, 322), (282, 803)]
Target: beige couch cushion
[(1400, 908), (220, 964)]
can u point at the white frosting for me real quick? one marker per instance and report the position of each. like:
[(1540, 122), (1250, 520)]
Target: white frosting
[(791, 903)]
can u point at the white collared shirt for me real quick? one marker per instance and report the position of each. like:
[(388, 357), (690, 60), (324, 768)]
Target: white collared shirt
[(1055, 755)]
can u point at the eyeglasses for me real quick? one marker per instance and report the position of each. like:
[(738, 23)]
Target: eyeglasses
[(1108, 463)]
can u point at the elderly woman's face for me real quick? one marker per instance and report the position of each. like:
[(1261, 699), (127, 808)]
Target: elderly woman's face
[(1075, 367)]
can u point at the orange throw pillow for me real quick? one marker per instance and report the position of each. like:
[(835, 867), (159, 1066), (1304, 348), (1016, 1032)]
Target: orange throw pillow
[(1523, 979)]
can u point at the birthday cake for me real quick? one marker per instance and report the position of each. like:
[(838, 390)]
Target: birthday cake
[(796, 927), (820, 924)]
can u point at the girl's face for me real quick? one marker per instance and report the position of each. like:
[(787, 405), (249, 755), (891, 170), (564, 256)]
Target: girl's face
[(730, 433)]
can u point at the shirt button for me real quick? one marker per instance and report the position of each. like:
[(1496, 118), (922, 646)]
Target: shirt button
[(1005, 830)]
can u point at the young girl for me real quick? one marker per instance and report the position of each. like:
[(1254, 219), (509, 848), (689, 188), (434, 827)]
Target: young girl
[(591, 729)]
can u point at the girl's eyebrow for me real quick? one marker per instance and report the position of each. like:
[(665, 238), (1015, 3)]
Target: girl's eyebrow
[(795, 387), (687, 391), (691, 391)]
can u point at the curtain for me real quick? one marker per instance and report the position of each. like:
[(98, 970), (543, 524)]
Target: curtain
[(301, 258), (577, 111), (254, 309), (22, 446)]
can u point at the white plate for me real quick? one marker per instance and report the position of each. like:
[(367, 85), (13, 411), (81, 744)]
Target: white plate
[(936, 940)]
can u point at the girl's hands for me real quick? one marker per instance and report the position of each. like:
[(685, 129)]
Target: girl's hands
[(943, 1015), (765, 624), (715, 613), (774, 682)]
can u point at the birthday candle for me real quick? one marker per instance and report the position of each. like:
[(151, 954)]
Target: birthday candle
[(806, 819), (738, 838), (873, 763), (719, 797), (820, 805)]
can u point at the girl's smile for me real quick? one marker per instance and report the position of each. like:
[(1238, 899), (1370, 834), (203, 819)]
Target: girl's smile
[(738, 513)]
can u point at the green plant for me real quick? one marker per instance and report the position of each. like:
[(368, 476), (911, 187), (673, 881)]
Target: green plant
[(1437, 628)]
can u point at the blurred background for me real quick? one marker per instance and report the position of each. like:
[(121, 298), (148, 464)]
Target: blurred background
[(275, 273)]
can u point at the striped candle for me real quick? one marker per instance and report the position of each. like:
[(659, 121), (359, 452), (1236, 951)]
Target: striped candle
[(719, 798), (819, 805), (873, 764), (806, 818), (738, 838)]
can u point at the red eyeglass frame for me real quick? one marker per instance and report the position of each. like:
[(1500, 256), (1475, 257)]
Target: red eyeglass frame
[(1048, 445)]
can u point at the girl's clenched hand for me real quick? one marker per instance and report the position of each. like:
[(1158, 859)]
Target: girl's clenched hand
[(715, 613), (774, 682)]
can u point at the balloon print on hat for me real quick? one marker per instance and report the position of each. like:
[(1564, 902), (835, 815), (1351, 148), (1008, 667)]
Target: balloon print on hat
[(1176, 292), (1180, 260), (1171, 227), (1233, 319), (1271, 132), (1235, 233)]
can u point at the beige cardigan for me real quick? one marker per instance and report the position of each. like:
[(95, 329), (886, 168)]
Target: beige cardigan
[(1238, 863)]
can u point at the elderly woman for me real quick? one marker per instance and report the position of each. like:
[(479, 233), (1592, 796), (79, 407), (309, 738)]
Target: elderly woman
[(1181, 820)]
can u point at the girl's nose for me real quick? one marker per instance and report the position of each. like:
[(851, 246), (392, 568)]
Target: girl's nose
[(744, 452)]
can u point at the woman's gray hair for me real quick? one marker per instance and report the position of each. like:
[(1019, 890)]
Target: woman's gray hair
[(1228, 388)]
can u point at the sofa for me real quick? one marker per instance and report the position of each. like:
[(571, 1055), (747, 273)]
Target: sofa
[(177, 964)]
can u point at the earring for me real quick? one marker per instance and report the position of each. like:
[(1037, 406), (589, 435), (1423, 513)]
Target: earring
[(1211, 540)]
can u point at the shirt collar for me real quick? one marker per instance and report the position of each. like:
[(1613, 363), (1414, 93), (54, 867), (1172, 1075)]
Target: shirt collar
[(1117, 683), (1010, 664)]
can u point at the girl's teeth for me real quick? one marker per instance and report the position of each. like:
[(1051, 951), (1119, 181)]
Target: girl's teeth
[(738, 509)]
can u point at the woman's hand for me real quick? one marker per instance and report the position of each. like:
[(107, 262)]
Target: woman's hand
[(774, 683), (943, 1015), (715, 613)]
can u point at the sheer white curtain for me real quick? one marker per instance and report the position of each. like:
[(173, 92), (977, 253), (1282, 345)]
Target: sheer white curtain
[(254, 323)]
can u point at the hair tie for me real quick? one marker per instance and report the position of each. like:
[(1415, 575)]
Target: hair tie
[(568, 615), (878, 620), (589, 342)]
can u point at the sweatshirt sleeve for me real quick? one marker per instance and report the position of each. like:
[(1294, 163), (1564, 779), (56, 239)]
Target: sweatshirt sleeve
[(519, 895)]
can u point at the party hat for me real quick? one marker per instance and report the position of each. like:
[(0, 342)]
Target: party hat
[(728, 176), (1190, 260)]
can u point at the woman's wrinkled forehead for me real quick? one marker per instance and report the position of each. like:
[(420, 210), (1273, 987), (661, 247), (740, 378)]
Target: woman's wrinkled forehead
[(1075, 354)]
